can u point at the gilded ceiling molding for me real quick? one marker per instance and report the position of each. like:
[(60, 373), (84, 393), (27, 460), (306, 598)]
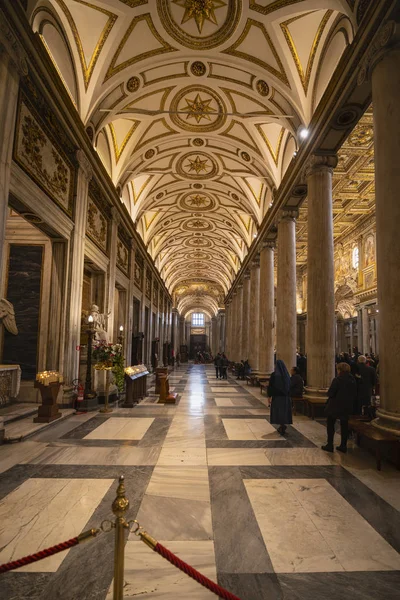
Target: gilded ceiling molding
[(274, 153), (195, 10), (232, 50), (134, 3), (143, 141), (198, 98), (212, 75), (305, 76), (165, 47), (87, 70), (59, 72), (119, 150), (227, 134), (266, 10)]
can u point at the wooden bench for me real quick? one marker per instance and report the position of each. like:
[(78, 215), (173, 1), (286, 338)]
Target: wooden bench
[(303, 403), (376, 439), (312, 404), (251, 380), (263, 385)]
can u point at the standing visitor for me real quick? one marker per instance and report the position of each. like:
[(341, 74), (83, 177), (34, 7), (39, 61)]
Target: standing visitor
[(366, 381), (224, 367), (341, 400), (217, 364), (278, 392)]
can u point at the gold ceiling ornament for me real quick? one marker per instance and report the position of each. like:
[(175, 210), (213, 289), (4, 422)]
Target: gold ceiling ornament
[(196, 166), (198, 27), (199, 109), (133, 84), (198, 68), (246, 156), (196, 203), (200, 11), (262, 87), (149, 153), (198, 142), (363, 135), (199, 102)]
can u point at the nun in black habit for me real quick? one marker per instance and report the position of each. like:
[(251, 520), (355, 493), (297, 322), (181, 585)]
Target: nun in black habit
[(281, 404)]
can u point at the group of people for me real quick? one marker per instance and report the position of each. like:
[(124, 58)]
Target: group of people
[(350, 393), (221, 366), (243, 369)]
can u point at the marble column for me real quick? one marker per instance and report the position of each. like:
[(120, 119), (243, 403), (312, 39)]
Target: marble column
[(112, 270), (239, 322), (365, 349), (254, 316), (286, 315), (228, 327), (222, 329), (12, 65), (214, 344), (130, 296), (266, 310), (360, 341), (383, 69), (233, 344), (320, 277), (56, 331), (245, 316), (71, 370)]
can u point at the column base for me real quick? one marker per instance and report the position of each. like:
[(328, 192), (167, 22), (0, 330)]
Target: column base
[(387, 421), (315, 398)]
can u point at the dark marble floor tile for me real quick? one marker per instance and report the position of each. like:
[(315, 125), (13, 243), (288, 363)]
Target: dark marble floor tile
[(96, 443), (81, 431), (156, 433), (332, 586), (23, 586), (330, 472), (252, 586), (214, 429), (220, 443), (239, 546)]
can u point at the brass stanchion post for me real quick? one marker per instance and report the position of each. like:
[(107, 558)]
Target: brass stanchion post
[(119, 508)]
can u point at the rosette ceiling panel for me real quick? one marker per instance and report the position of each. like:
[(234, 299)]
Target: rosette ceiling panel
[(195, 107)]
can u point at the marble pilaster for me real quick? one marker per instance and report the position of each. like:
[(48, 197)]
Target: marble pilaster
[(112, 268), (254, 316), (383, 66), (9, 85), (239, 322), (365, 348), (320, 276), (286, 315), (214, 336), (267, 310), (75, 286), (228, 327), (246, 316), (233, 343)]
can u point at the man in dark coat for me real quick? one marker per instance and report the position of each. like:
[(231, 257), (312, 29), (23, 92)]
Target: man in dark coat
[(341, 399), (366, 381), (217, 364)]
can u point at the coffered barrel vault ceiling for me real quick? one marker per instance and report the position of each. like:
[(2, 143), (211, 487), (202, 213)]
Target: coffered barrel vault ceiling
[(194, 107)]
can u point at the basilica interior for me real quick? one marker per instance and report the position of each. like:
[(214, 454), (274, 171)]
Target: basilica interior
[(192, 191)]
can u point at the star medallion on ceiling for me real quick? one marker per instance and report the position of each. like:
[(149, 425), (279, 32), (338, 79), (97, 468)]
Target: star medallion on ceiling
[(198, 109), (200, 11), (197, 165), (197, 200)]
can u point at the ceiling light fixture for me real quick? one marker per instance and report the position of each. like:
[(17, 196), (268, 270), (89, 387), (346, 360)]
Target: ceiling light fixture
[(303, 133)]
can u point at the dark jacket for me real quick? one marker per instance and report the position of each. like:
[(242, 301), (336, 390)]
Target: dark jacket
[(366, 381), (341, 396), (296, 386)]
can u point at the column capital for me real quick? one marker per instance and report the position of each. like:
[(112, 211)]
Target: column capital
[(247, 274), (240, 286), (268, 245), (10, 43), (320, 164), (84, 164), (386, 39), (255, 263), (288, 214)]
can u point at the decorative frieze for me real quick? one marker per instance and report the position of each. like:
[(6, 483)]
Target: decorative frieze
[(155, 294), (148, 284), (123, 256), (42, 159), (97, 225), (139, 270)]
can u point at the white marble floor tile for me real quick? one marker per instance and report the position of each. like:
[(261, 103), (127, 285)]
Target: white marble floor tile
[(121, 429), (237, 457), (148, 575), (298, 456), (354, 541), (294, 543), (224, 390), (186, 483), (220, 401), (43, 512), (185, 432), (15, 454), (250, 429), (182, 456)]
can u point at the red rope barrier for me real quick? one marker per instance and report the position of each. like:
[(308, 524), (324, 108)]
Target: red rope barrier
[(27, 560), (193, 573)]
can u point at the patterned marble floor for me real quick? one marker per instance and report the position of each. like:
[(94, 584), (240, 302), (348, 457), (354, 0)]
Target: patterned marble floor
[(268, 517)]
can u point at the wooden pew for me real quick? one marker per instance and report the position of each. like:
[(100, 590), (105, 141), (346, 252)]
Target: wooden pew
[(379, 441)]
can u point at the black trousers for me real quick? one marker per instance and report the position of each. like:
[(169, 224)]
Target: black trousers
[(217, 371), (224, 373), (344, 430)]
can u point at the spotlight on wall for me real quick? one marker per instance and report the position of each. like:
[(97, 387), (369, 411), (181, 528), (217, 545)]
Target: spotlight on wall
[(303, 133), (295, 154), (90, 319), (255, 235)]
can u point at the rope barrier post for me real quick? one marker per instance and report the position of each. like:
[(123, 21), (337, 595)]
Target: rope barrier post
[(119, 508)]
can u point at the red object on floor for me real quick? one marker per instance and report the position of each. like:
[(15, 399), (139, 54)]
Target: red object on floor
[(27, 560)]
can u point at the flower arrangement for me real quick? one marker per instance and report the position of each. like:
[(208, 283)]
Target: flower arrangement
[(110, 355)]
